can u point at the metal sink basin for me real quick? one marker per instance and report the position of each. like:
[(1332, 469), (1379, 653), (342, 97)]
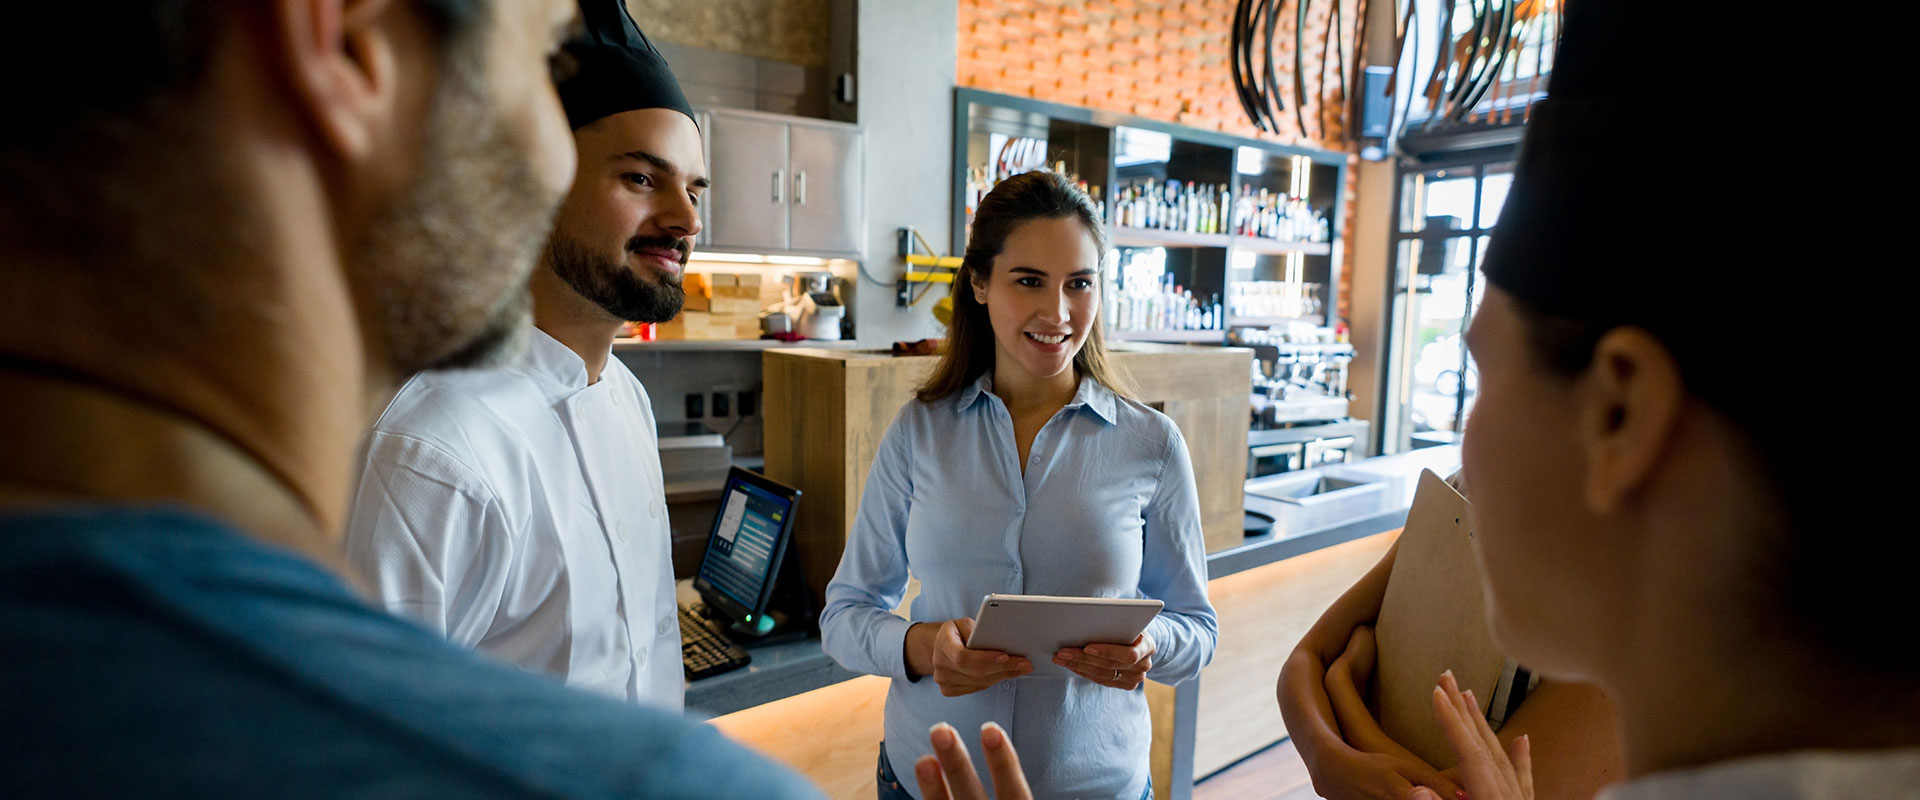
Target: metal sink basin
[(1308, 490)]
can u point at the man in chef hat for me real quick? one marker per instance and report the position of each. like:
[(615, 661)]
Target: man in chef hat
[(520, 509)]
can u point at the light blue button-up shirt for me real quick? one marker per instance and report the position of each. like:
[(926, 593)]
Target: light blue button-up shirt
[(1106, 508)]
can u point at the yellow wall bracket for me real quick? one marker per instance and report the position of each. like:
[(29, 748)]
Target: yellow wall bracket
[(929, 277), (918, 260)]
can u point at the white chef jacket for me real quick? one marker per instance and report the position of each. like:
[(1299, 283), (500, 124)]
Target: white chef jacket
[(520, 511)]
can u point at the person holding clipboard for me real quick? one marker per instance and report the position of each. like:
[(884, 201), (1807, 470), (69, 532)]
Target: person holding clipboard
[(1023, 468)]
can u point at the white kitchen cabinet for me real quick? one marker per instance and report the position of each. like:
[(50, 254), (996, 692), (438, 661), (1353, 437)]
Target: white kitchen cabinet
[(784, 185)]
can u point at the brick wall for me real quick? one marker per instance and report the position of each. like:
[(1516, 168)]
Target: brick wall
[(1160, 59), (1165, 60)]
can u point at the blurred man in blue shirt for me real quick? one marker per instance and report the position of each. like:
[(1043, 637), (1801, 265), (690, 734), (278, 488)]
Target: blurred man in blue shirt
[(227, 232)]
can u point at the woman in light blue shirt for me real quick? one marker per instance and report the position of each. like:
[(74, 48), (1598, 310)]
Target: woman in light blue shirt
[(1022, 467)]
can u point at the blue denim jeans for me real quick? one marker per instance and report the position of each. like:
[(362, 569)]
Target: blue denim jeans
[(891, 789)]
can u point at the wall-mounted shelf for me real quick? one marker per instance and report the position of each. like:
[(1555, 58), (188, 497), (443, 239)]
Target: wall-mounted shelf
[(1275, 247), (1262, 322), (1151, 237), (1171, 337), (724, 345)]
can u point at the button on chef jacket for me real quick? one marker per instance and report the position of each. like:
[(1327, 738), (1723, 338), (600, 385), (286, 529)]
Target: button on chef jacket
[(520, 511)]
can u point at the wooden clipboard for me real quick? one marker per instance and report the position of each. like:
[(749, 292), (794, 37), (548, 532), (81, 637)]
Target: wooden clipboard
[(1433, 619)]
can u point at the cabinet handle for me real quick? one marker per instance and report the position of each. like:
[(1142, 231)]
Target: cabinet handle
[(800, 187), (779, 181)]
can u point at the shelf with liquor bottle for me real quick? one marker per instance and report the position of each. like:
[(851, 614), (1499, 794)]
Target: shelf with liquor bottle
[(1276, 290), (1169, 191), (1162, 294), (1002, 142), (1245, 232)]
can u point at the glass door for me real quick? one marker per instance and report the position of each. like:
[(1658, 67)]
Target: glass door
[(1445, 212)]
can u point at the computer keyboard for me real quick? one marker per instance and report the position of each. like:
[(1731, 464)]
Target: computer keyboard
[(705, 649)]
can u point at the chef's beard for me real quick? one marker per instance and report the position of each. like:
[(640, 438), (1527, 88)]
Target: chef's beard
[(611, 285), (448, 261)]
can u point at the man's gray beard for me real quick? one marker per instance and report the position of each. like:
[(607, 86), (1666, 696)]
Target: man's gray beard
[(447, 262), (610, 284)]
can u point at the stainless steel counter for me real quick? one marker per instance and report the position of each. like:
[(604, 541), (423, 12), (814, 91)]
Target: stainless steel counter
[(1376, 501)]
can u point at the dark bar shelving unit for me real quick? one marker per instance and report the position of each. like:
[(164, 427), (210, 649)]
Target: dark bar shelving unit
[(1093, 144)]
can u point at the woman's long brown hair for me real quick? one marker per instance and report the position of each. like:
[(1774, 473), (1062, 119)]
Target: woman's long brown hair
[(968, 352)]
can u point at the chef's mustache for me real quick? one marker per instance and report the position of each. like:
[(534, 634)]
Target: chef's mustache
[(639, 243)]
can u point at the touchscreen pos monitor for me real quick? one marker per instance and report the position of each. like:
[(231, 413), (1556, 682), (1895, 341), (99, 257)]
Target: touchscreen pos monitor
[(745, 550)]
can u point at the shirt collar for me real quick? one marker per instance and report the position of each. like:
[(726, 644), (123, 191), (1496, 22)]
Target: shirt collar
[(554, 364), (1092, 395)]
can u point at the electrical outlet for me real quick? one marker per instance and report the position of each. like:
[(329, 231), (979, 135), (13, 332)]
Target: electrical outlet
[(721, 407), (746, 402), (696, 405)]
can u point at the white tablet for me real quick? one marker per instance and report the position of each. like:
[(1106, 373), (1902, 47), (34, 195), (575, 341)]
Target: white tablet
[(1037, 626)]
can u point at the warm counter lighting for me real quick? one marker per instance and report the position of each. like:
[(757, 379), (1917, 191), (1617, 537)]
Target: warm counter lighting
[(831, 734), (700, 258)]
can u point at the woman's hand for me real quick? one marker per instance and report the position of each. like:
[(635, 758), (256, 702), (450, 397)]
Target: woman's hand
[(1343, 773), (1121, 666), (940, 650), (1490, 772), (1368, 764)]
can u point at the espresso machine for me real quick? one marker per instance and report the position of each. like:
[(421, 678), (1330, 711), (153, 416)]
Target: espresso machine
[(1299, 408)]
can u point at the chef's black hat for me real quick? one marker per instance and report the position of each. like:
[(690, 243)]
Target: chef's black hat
[(1632, 203), (615, 68), (1720, 193)]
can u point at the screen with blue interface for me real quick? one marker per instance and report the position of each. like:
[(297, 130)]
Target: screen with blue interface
[(740, 551)]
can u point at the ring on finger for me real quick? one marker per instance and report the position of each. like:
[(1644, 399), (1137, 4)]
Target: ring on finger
[(1116, 674)]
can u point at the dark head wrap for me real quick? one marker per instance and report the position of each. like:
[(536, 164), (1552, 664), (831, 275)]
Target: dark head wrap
[(1630, 203), (1687, 180), (616, 68)]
